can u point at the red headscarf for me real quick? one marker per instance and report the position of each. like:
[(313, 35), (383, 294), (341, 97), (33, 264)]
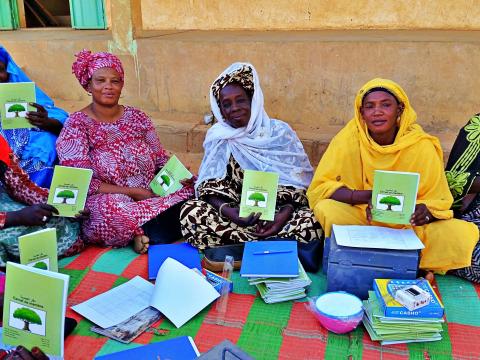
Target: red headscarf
[(5, 151), (87, 63)]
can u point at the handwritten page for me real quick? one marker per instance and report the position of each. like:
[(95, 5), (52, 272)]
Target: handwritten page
[(118, 304), (377, 237), (180, 293)]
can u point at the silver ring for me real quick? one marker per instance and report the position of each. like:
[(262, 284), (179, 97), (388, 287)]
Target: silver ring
[(427, 218), (44, 219)]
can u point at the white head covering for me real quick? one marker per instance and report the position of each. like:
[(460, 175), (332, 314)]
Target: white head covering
[(264, 144)]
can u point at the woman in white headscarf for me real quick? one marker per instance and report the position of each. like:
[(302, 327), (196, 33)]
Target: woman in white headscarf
[(246, 138)]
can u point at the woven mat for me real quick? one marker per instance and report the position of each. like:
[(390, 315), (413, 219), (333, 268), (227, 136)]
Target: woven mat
[(277, 331)]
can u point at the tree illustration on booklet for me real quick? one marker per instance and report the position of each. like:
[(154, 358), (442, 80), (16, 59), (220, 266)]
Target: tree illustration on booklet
[(66, 194), (256, 197), (164, 179), (16, 108), (390, 201), (28, 316), (41, 265)]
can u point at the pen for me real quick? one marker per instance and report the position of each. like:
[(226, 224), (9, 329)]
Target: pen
[(266, 252)]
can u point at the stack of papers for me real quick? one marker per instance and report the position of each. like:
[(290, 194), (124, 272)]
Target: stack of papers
[(179, 294), (273, 267), (273, 290), (390, 323)]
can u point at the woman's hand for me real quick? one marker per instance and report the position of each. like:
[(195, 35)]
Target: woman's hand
[(421, 216), (82, 215), (139, 194), (21, 353), (266, 229), (189, 182), (34, 215), (232, 213), (41, 120)]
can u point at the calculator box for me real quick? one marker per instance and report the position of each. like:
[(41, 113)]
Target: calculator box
[(217, 281)]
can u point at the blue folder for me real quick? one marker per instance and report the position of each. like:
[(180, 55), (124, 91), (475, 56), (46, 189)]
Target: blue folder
[(270, 259), (180, 348), (184, 253)]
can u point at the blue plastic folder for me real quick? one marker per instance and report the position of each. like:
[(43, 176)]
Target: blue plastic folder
[(270, 259), (184, 253), (180, 348)]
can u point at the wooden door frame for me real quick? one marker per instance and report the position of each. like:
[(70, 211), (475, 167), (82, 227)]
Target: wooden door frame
[(21, 14)]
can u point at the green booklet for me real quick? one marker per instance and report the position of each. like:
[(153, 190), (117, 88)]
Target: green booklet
[(167, 181), (34, 308), (39, 249), (14, 99), (259, 194), (394, 196), (69, 188)]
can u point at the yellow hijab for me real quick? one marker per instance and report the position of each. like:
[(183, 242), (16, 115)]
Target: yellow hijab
[(353, 155)]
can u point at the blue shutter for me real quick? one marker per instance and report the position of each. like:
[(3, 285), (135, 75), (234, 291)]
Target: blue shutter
[(88, 14), (8, 15)]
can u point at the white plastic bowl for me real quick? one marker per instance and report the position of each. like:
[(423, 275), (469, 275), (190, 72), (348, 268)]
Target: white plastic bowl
[(339, 311)]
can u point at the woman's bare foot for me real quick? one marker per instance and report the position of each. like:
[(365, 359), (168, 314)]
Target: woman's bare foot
[(427, 275), (430, 277), (141, 244)]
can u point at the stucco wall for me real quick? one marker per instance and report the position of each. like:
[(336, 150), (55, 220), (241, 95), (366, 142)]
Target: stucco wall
[(310, 14)]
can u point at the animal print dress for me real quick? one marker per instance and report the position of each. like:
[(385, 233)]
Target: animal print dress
[(203, 227)]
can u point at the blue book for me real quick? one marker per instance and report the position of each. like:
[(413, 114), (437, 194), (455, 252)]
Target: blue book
[(385, 291), (180, 348), (270, 259), (184, 253)]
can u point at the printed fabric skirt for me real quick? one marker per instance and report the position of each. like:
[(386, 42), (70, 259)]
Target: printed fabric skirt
[(68, 233), (203, 227)]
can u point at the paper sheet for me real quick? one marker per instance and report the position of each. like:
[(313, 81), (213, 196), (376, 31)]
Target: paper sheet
[(118, 304), (376, 237), (180, 293)]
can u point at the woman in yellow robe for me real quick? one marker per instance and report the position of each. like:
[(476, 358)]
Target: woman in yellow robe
[(384, 135)]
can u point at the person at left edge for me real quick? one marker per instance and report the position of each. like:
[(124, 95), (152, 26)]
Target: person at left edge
[(23, 210), (34, 147)]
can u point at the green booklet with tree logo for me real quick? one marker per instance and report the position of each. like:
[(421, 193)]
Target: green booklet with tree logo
[(394, 196), (39, 249), (167, 181), (14, 99), (69, 188), (259, 194), (34, 308)]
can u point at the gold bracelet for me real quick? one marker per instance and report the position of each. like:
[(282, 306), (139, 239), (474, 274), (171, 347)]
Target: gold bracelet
[(221, 207)]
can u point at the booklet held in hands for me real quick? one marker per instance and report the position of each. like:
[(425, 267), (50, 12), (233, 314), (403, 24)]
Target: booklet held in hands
[(14, 104), (69, 188), (167, 181), (259, 194), (394, 196)]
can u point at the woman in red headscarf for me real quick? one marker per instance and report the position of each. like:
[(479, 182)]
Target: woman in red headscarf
[(120, 145), (23, 209)]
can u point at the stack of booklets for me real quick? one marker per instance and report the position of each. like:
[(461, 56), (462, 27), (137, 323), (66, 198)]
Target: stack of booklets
[(387, 321), (273, 267)]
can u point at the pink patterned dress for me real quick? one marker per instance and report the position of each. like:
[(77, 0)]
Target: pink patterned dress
[(125, 153)]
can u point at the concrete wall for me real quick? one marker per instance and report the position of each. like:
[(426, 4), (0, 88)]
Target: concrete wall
[(310, 14), (309, 78)]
